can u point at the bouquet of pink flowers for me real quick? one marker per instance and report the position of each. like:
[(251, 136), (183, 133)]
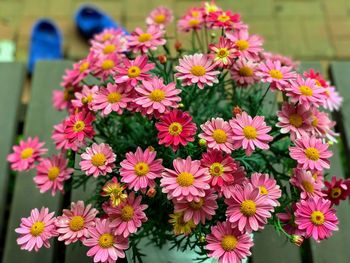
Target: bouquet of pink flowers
[(182, 141)]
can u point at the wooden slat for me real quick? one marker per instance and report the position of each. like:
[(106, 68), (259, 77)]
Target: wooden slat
[(39, 121), (11, 78)]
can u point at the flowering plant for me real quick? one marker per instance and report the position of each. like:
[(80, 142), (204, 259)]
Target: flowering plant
[(183, 142)]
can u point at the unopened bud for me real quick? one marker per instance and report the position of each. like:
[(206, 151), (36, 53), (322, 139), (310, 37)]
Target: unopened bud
[(236, 110), (181, 105), (178, 45), (151, 148), (202, 142), (151, 192), (297, 240), (162, 59), (202, 238)]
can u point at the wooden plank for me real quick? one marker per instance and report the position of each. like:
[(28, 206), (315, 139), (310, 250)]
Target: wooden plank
[(12, 78), (40, 119)]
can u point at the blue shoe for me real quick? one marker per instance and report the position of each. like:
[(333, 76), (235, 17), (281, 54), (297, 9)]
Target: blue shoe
[(90, 21), (46, 43)]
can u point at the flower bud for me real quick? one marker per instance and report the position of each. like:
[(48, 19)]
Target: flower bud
[(181, 105), (151, 148), (151, 192), (202, 142), (162, 59), (202, 238), (178, 45), (236, 110), (297, 240)]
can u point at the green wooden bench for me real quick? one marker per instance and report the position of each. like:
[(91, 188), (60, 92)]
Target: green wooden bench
[(18, 194)]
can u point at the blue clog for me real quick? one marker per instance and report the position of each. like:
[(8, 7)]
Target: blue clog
[(90, 21), (46, 43)]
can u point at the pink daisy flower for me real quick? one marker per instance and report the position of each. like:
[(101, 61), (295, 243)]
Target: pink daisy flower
[(133, 71), (249, 133), (52, 173), (311, 153), (239, 176), (97, 160), (82, 69), (285, 61), (222, 53), (59, 100), (247, 209), (222, 19), (79, 126), (316, 217), (198, 211), (228, 244), (112, 98), (317, 76), (337, 189), (277, 75), (187, 181), (244, 72), (60, 139), (140, 41), (106, 246), (321, 125), (109, 34), (106, 66), (160, 16), (190, 22), (306, 92), (267, 187), (306, 183), (197, 69), (84, 97), (74, 223), (155, 96), (127, 217), (115, 45), (332, 100), (26, 154), (218, 135), (287, 219), (248, 46), (36, 230), (139, 169), (294, 119), (176, 128)]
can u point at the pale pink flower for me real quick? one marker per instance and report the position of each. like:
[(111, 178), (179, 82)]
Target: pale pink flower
[(160, 16), (109, 34), (190, 22), (267, 187), (322, 125), (59, 100), (243, 72), (307, 184), (333, 100), (115, 45), (285, 61), (84, 98), (140, 41), (106, 66)]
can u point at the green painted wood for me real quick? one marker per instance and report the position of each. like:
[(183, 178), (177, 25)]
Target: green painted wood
[(39, 121), (11, 79)]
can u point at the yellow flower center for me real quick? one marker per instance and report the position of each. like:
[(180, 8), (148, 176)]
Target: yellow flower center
[(229, 242), (87, 99), (141, 168), (106, 36), (248, 208), (305, 90), (308, 186), (107, 64), (263, 190), (219, 136), (79, 126), (198, 71), (53, 172), (335, 192), (296, 120), (134, 71), (223, 53), (159, 19), (193, 22), (250, 132), (317, 218), (157, 95), (127, 213), (312, 154), (84, 66), (246, 71), (216, 169), (185, 179), (37, 228), (98, 159), (27, 153), (114, 97), (223, 18), (76, 223), (106, 240), (276, 74), (314, 122), (197, 205), (145, 37), (175, 128), (109, 49), (242, 44)]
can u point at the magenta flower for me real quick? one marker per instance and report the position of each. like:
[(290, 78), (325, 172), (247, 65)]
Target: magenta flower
[(222, 19), (140, 41), (60, 139), (307, 184), (79, 126), (223, 53), (267, 187), (337, 189), (84, 98)]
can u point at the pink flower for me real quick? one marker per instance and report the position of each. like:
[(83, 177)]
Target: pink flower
[(73, 225), (332, 100), (106, 66), (228, 244), (244, 72), (249, 133), (310, 153), (316, 217), (277, 75), (81, 70), (26, 154), (218, 135), (155, 96), (306, 183), (285, 61), (79, 126), (112, 98), (160, 16), (115, 45), (306, 92), (190, 22), (222, 19), (84, 98), (267, 187), (109, 34), (187, 181), (97, 160), (197, 211), (248, 46), (139, 169), (127, 217), (288, 220), (59, 100), (337, 189), (61, 140), (321, 125), (176, 128), (197, 69), (317, 76), (106, 246), (140, 41), (36, 230), (247, 209), (223, 53), (239, 176), (52, 173), (294, 119), (133, 71)]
